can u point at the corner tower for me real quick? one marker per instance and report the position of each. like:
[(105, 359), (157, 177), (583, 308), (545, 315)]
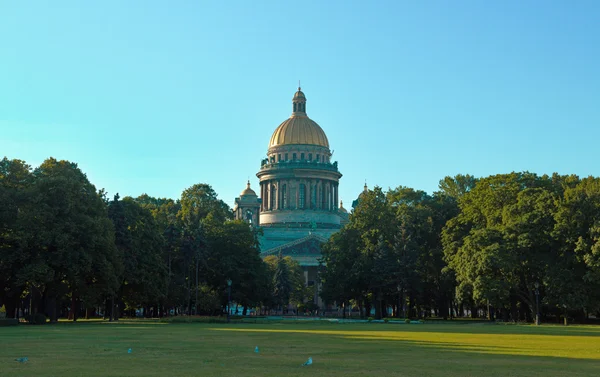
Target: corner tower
[(247, 206), (298, 182)]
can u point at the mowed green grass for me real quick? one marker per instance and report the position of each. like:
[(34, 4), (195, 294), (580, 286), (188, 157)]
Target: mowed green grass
[(100, 349)]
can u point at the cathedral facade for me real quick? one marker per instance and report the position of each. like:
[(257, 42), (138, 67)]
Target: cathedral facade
[(298, 205)]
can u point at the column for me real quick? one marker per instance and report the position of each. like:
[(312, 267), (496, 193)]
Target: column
[(262, 196), (268, 184), (277, 195), (318, 187), (297, 198), (329, 196), (337, 199)]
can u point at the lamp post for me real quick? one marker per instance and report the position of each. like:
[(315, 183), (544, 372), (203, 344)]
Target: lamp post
[(228, 297), (537, 303)]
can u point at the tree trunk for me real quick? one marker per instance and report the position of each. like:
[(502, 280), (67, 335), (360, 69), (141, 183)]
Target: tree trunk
[(10, 304), (367, 308), (513, 308), (51, 306), (400, 305), (474, 311), (443, 308), (73, 308), (112, 309), (378, 306)]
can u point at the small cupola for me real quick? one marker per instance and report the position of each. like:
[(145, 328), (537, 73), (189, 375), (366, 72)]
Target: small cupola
[(299, 103)]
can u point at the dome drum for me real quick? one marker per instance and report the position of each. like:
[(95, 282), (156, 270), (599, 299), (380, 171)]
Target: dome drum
[(290, 217)]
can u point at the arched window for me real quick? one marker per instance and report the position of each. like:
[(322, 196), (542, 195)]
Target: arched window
[(301, 196), (279, 157), (272, 197), (294, 156), (294, 107), (286, 156), (313, 197), (302, 156), (323, 196), (310, 157), (317, 158), (283, 199)]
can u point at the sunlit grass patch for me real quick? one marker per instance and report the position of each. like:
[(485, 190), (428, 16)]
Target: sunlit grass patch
[(569, 346)]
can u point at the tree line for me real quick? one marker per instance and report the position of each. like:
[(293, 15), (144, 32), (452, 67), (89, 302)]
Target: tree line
[(507, 246), (68, 250)]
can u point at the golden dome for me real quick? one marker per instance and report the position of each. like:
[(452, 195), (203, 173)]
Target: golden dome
[(248, 191), (299, 94), (299, 128)]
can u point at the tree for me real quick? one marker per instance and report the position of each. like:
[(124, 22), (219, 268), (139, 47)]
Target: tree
[(199, 205), (74, 235), (233, 253), (457, 186), (574, 278), (342, 274), (499, 245), (165, 213), (16, 258), (282, 283), (139, 240)]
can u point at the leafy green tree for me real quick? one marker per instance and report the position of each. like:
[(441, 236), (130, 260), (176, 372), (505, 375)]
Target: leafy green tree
[(342, 275), (574, 278), (233, 253), (165, 213), (199, 205), (282, 283), (74, 234), (16, 258), (499, 245), (455, 187), (139, 240)]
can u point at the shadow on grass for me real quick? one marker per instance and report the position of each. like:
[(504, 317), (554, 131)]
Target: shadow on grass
[(445, 327)]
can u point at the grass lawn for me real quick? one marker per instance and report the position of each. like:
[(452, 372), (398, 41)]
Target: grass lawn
[(369, 349)]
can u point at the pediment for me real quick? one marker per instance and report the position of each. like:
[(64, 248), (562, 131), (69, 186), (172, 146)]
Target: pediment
[(309, 246)]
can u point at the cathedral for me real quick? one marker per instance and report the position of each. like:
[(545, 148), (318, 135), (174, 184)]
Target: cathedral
[(298, 205)]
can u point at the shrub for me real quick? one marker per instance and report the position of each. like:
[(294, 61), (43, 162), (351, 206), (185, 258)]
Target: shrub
[(37, 319), (386, 320), (407, 320), (9, 322), (370, 319)]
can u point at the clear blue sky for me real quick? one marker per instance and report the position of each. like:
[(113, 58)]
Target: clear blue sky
[(154, 96)]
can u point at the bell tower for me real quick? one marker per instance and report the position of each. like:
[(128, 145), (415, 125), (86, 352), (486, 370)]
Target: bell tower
[(247, 206)]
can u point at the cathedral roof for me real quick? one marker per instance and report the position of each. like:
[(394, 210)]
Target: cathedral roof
[(299, 128)]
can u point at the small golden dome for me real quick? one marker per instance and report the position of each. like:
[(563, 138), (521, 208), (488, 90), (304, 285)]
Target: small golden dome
[(299, 94), (248, 191), (299, 128), (342, 209)]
